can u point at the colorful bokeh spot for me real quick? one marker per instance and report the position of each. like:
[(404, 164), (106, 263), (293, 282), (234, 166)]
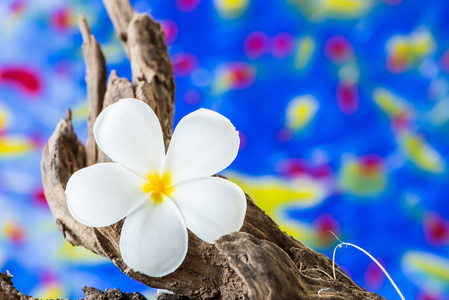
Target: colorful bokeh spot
[(338, 49), (436, 229), (400, 112), (233, 76), (407, 51), (363, 176), (429, 271)]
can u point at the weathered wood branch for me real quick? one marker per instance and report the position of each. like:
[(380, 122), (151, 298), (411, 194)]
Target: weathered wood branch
[(9, 292), (261, 262), (96, 80)]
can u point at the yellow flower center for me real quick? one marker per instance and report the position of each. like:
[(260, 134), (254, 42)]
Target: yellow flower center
[(158, 186)]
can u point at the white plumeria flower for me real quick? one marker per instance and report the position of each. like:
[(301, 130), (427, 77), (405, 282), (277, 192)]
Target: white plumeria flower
[(160, 195)]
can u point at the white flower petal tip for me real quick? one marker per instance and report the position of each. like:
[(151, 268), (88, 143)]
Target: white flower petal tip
[(160, 246), (211, 207), (129, 132), (203, 143), (103, 194)]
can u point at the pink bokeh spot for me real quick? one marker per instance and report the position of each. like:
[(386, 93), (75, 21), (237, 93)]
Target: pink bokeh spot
[(338, 49), (184, 63), (374, 277), (187, 5), (282, 45), (371, 165), (444, 61), (347, 97), (325, 224), (241, 75), (170, 30), (61, 18), (255, 44), (39, 197)]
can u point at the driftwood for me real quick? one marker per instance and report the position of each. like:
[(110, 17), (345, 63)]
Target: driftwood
[(260, 262)]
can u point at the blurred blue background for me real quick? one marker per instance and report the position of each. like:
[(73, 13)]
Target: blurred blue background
[(342, 107)]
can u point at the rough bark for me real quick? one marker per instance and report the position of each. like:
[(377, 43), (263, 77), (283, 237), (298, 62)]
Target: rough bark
[(260, 262), (95, 79), (8, 291)]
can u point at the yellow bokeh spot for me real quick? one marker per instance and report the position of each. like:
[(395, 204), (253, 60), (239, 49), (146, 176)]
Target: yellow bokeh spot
[(2, 121), (300, 112), (348, 7), (14, 146), (158, 187), (230, 8), (306, 48), (273, 194), (389, 103), (423, 155)]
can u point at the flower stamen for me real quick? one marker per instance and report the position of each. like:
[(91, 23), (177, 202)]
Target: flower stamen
[(158, 186)]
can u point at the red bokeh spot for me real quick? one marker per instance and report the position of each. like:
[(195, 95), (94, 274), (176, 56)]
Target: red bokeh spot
[(14, 232), (397, 63), (282, 45), (241, 75), (324, 224), (255, 44), (338, 49), (187, 5), (184, 63), (294, 168), (436, 229), (347, 97), (39, 197), (370, 164), (23, 78), (61, 18)]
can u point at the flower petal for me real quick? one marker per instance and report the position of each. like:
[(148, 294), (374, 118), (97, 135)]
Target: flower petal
[(103, 194), (211, 207), (130, 134), (154, 239), (204, 143)]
